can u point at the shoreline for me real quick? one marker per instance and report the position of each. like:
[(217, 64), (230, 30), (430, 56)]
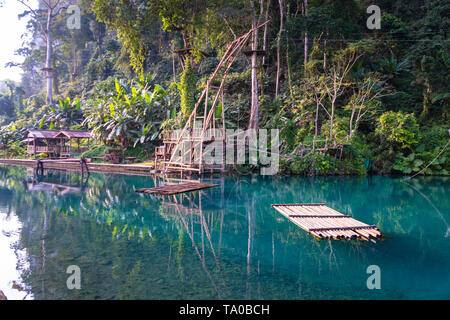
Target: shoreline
[(135, 169), (132, 169)]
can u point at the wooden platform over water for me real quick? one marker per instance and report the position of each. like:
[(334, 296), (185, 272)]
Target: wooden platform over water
[(325, 223), (171, 189)]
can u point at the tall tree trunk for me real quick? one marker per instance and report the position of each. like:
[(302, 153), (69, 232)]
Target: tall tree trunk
[(254, 120), (265, 33), (316, 121), (333, 103), (75, 63), (277, 83), (351, 122), (306, 53), (48, 59), (288, 59)]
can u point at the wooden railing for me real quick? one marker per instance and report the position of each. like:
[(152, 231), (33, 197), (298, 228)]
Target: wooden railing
[(175, 135), (55, 149), (41, 149)]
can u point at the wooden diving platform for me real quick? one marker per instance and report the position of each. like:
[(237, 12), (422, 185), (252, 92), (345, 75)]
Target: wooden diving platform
[(325, 223), (176, 188)]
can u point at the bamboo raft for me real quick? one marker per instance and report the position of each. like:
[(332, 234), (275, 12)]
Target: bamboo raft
[(176, 188), (325, 223)]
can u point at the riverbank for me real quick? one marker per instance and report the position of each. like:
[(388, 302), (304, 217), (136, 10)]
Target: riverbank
[(134, 169)]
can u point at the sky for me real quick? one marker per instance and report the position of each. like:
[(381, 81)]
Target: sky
[(11, 30)]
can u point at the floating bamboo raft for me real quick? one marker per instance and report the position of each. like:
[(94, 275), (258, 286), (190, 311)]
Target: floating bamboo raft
[(177, 188), (325, 223)]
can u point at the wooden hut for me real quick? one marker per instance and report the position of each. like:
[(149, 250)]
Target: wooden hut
[(54, 143), (68, 136)]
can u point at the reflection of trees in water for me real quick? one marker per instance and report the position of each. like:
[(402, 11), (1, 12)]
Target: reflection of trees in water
[(223, 242)]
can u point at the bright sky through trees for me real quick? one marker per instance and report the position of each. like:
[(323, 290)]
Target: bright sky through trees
[(10, 37)]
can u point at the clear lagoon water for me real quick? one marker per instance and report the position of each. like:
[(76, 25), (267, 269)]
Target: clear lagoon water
[(220, 243)]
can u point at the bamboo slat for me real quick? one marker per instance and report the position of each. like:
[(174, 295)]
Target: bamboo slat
[(324, 222)]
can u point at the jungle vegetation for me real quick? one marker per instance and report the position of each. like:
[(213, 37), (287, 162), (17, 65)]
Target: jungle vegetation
[(324, 76)]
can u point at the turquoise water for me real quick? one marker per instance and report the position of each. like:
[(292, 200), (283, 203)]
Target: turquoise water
[(221, 243)]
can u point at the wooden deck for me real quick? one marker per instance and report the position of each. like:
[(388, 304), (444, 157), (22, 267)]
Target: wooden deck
[(325, 223), (177, 188)]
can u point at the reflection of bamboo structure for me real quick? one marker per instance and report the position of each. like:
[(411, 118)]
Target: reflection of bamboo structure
[(187, 208)]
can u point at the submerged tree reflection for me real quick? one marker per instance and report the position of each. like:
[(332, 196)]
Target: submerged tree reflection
[(224, 242)]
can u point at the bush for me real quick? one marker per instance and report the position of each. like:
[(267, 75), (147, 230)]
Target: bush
[(399, 129), (141, 152), (341, 128), (314, 164), (96, 152), (419, 159)]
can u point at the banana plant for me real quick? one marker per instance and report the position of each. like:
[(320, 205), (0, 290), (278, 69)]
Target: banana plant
[(64, 115), (130, 112)]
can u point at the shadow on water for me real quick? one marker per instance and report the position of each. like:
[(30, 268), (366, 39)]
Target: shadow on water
[(225, 242)]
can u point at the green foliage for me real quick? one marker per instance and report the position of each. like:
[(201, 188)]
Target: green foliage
[(96, 152), (417, 161), (64, 115), (127, 113), (11, 140), (132, 21), (431, 142), (141, 152), (121, 39), (313, 164), (340, 128), (6, 106), (42, 156), (187, 87), (398, 129)]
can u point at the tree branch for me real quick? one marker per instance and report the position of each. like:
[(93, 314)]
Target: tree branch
[(36, 17)]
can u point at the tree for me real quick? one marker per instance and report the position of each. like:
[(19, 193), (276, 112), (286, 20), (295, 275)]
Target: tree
[(277, 81), (334, 77), (50, 9), (256, 20), (127, 112), (135, 23), (6, 106), (364, 99)]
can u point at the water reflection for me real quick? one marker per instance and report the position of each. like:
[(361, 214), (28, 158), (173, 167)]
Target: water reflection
[(225, 242), (14, 259)]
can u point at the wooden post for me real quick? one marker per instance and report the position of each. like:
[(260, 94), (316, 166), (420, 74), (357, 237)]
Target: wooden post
[(224, 138)]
